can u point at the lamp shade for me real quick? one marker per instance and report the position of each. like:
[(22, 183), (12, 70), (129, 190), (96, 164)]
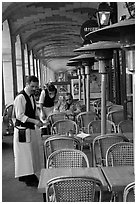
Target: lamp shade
[(123, 31), (84, 56), (73, 63), (101, 45)]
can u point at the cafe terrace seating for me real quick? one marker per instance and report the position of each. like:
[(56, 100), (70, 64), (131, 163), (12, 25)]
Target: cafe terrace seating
[(74, 189), (57, 142), (102, 143), (7, 121), (116, 116), (68, 158), (64, 127), (120, 154), (129, 193), (95, 126), (84, 118), (115, 107), (53, 117), (96, 104), (125, 126)]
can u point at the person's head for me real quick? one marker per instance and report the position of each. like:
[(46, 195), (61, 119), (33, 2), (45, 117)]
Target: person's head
[(94, 77), (51, 90), (32, 84), (69, 98)]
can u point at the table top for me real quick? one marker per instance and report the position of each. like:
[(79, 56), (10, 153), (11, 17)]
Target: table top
[(83, 138), (118, 177), (48, 174)]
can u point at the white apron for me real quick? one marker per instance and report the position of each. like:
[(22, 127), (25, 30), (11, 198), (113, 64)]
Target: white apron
[(47, 111), (27, 154)]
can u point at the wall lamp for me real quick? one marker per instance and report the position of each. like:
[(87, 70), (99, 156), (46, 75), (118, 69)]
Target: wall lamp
[(103, 14)]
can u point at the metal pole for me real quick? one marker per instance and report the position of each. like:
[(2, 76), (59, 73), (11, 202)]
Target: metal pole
[(79, 77), (87, 88), (102, 68), (84, 88)]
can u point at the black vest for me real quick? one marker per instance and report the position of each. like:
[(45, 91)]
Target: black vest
[(49, 102), (30, 112)]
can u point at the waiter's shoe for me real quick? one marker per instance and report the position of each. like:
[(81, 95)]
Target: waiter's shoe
[(32, 180), (22, 178)]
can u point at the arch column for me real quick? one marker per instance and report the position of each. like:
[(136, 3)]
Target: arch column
[(3, 94), (23, 61), (33, 63), (14, 69), (28, 55), (37, 68)]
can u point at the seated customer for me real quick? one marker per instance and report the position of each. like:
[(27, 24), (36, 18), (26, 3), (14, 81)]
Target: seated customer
[(68, 106)]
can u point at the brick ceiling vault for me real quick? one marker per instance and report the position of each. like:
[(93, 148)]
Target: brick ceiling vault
[(51, 29)]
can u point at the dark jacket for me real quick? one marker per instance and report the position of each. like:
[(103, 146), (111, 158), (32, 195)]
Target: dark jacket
[(30, 112), (49, 102)]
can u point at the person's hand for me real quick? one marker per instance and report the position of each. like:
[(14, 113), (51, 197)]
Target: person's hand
[(69, 112), (43, 117), (38, 123), (55, 111)]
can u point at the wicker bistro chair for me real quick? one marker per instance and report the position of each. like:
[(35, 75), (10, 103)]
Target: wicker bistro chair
[(84, 118), (75, 189), (120, 154), (129, 193), (95, 127), (116, 116), (57, 142), (125, 126), (97, 106), (67, 158), (102, 143), (53, 117), (64, 127), (7, 121), (115, 107)]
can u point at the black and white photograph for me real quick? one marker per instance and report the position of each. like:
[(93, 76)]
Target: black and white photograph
[(68, 101)]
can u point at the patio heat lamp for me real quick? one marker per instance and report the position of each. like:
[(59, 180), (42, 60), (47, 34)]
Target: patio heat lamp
[(123, 32), (103, 53), (87, 61)]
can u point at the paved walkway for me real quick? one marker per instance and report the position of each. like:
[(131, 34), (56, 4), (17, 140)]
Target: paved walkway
[(12, 189)]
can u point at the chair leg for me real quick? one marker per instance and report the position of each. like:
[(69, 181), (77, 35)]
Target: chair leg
[(44, 197)]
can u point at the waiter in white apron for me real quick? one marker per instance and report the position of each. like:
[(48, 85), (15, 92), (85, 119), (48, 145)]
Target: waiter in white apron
[(26, 141)]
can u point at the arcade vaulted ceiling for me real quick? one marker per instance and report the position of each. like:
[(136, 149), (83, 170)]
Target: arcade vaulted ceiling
[(51, 29)]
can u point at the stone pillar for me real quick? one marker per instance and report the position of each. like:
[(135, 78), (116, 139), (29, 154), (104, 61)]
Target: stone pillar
[(23, 62), (28, 54)]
